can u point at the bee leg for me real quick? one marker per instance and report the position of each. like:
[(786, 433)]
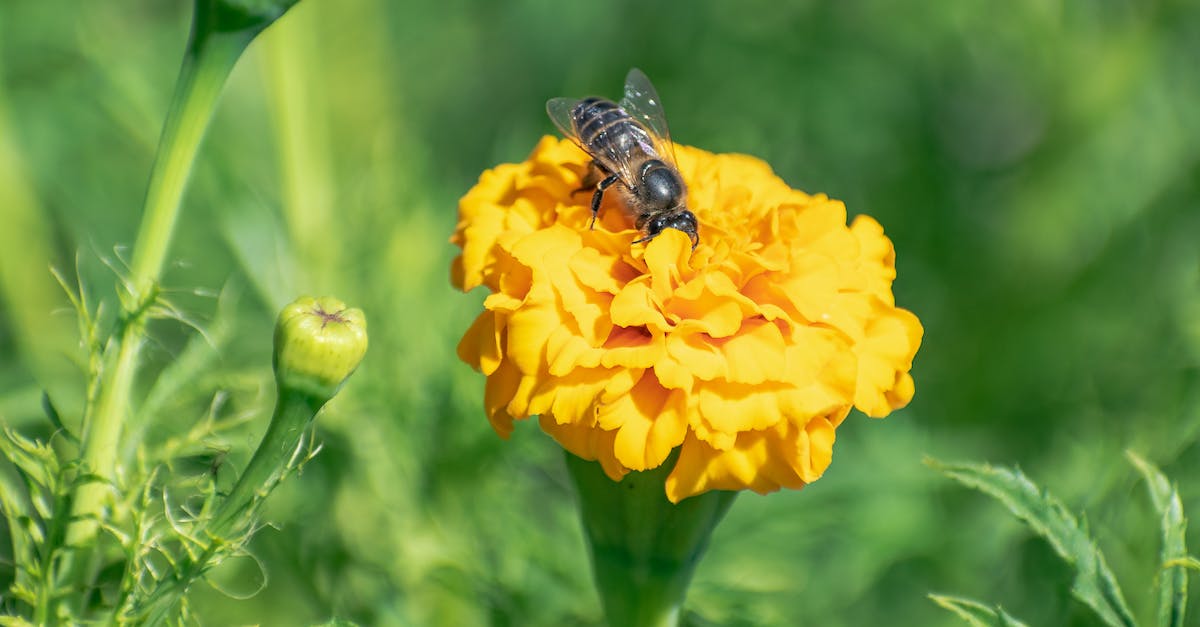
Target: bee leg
[(603, 185), (593, 176), (589, 180)]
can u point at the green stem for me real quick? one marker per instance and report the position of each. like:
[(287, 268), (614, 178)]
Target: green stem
[(209, 59), (207, 63), (644, 548), (276, 455)]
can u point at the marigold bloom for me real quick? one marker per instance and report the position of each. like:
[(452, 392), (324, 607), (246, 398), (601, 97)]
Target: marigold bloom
[(747, 352)]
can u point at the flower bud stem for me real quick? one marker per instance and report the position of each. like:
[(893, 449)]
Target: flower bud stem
[(644, 548), (319, 342), (277, 454)]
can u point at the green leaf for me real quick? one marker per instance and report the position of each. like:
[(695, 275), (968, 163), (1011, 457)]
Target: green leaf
[(56, 420), (1186, 562), (975, 613), (1094, 583), (1172, 582), (14, 621), (35, 460), (23, 533)]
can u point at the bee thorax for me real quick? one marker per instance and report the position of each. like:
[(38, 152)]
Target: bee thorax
[(661, 188)]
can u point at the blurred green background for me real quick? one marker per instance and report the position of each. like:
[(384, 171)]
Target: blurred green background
[(1036, 162)]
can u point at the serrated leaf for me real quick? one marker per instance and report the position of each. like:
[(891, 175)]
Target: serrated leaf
[(23, 593), (1172, 581), (1094, 583), (32, 529), (975, 613), (12, 500), (35, 460)]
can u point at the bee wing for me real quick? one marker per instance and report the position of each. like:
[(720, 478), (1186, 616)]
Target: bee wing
[(642, 103), (613, 155), (559, 110)]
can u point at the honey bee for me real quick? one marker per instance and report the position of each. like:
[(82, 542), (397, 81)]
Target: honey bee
[(631, 149)]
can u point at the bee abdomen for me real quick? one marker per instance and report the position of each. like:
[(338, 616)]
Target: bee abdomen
[(603, 126)]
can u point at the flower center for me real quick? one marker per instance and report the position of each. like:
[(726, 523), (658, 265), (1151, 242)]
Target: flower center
[(327, 317)]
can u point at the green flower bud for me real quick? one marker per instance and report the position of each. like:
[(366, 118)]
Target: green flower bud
[(318, 344)]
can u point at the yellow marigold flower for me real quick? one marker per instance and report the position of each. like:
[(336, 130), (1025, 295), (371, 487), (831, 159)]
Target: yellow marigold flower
[(747, 352)]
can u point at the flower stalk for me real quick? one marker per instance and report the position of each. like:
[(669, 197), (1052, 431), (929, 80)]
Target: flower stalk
[(221, 31), (210, 57), (232, 523), (644, 548)]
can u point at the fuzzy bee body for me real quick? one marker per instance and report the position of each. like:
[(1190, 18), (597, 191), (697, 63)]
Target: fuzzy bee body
[(631, 149)]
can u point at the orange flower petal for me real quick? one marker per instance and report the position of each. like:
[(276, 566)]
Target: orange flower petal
[(877, 255), (528, 330), (573, 398), (637, 306), (756, 354), (885, 357), (632, 348), (499, 391), (480, 346), (650, 422), (587, 442), (666, 258)]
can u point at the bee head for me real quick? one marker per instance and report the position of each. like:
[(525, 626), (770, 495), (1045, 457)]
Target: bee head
[(681, 221)]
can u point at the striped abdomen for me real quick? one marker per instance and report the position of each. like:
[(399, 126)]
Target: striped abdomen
[(605, 129)]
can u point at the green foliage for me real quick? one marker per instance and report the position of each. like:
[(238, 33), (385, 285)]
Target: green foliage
[(976, 614), (95, 534), (155, 529), (336, 622), (1095, 584), (37, 515), (1035, 167), (1172, 581), (644, 549)]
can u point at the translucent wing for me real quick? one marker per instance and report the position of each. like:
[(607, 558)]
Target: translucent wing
[(642, 103), (615, 154), (559, 110)]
